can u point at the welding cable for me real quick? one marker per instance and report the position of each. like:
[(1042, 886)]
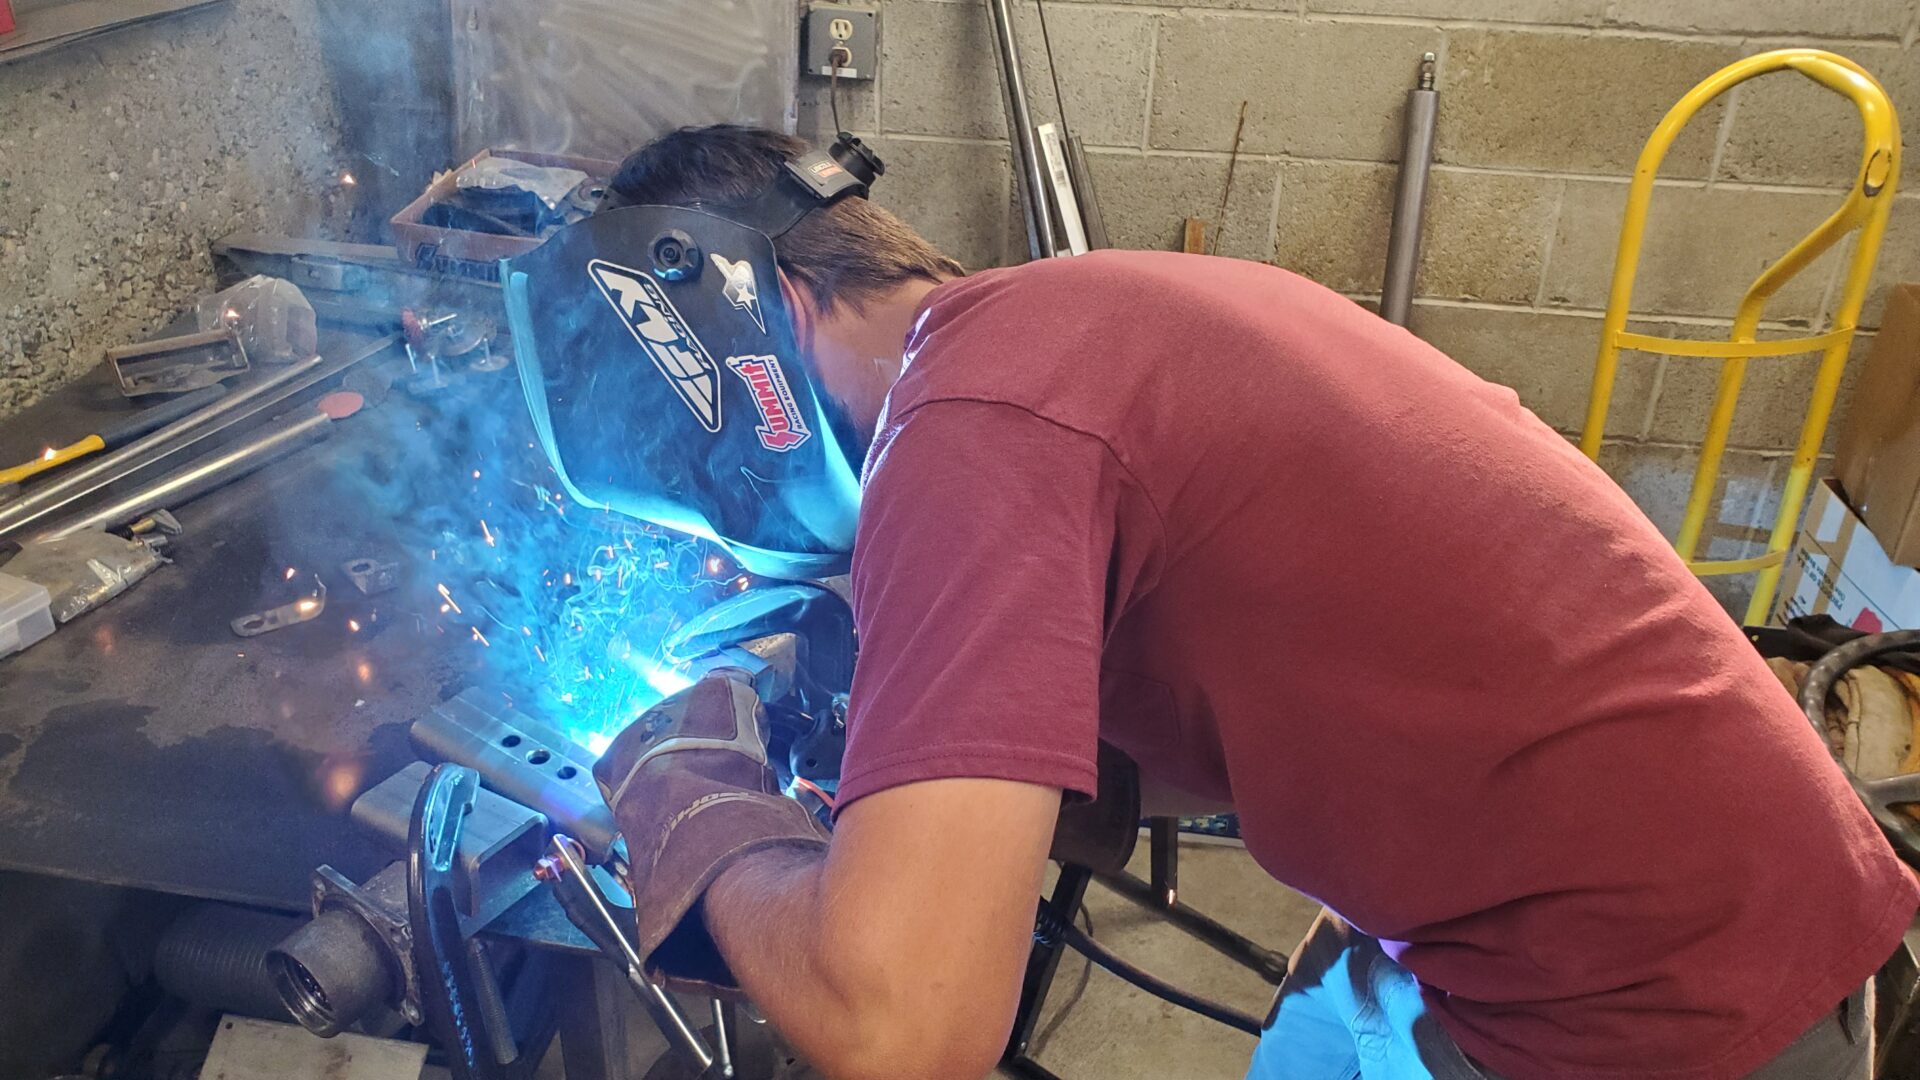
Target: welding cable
[(1051, 929), (1901, 831), (818, 792)]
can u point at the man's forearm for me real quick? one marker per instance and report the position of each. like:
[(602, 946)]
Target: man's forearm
[(782, 934)]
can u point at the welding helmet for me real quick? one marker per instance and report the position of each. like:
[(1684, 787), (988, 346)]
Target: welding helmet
[(658, 360)]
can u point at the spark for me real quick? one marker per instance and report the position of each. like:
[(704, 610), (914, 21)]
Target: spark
[(480, 637), (288, 576), (448, 597), (307, 606), (364, 671), (353, 625), (347, 180), (538, 653), (713, 565), (444, 609), (741, 582), (49, 454), (476, 474), (597, 743), (231, 315), (488, 533)]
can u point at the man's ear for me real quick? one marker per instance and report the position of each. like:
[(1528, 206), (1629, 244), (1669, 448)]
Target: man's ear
[(799, 308)]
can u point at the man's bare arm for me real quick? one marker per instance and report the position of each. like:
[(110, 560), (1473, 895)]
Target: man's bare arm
[(897, 954)]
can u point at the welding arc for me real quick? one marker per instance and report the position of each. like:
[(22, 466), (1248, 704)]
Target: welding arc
[(214, 471)]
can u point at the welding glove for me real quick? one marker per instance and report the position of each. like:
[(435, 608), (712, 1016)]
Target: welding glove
[(692, 792)]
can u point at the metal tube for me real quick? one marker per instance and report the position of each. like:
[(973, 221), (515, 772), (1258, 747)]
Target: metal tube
[(1096, 222), (663, 1009), (211, 420), (199, 477), (1026, 150), (1410, 197)]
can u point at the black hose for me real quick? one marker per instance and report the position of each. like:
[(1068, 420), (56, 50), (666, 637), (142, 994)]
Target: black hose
[(216, 955), (1052, 929), (1902, 831)]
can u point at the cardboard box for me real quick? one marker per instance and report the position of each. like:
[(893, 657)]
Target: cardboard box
[(1837, 567), (471, 254), (1877, 459)]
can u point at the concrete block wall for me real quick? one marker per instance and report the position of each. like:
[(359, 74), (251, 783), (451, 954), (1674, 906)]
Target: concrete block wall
[(1545, 105), (123, 156)]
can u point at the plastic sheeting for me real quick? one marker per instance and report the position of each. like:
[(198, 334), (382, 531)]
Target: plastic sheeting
[(600, 77)]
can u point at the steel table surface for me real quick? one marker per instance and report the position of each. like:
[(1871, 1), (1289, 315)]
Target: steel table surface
[(145, 744)]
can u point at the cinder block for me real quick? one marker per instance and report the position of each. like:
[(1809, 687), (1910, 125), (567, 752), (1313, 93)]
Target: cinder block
[(1485, 233), (1547, 358), (1658, 478), (1702, 248), (954, 193), (1145, 199), (1773, 396), (1556, 100), (1899, 257), (1790, 18), (1315, 89), (1567, 12), (859, 110), (940, 72), (1790, 130)]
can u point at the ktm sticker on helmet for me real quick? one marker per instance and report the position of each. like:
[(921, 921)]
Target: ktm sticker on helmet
[(781, 428), (664, 335), (739, 287)]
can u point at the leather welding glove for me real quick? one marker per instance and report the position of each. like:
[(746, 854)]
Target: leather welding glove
[(691, 791), (1100, 833)]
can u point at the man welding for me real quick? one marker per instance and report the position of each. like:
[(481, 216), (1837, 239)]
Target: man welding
[(1284, 555)]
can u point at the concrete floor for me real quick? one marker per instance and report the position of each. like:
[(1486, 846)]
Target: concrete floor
[(1116, 1032)]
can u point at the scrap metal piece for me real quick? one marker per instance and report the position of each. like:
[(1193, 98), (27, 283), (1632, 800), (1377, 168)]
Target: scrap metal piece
[(175, 365), (85, 570), (498, 842), (305, 609), (372, 576), (522, 759)]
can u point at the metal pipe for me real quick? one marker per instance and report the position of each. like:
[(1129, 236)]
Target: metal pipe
[(199, 477), (1041, 242), (211, 420), (1410, 197)]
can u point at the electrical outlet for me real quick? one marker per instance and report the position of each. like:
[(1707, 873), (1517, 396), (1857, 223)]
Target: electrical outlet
[(842, 37)]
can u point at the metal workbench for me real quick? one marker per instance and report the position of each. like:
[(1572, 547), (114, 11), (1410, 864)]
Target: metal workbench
[(145, 744)]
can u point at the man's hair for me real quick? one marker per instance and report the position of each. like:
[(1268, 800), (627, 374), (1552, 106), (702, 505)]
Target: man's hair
[(848, 253)]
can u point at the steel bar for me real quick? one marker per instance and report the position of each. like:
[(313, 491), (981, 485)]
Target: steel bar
[(663, 1009), (237, 406), (1096, 223), (1270, 965), (199, 477), (1410, 197), (1026, 148)]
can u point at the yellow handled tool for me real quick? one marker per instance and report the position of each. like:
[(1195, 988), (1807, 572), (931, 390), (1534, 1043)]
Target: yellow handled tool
[(115, 434), (1864, 209)]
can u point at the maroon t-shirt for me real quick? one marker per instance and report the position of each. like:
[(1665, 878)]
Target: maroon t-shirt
[(1456, 685)]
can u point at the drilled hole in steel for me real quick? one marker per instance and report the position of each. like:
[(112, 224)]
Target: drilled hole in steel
[(510, 741), (568, 772), (360, 566), (538, 757)]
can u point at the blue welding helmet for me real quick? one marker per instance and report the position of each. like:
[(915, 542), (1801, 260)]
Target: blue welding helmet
[(659, 363)]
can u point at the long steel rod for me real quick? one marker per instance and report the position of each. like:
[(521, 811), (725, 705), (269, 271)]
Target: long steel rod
[(1026, 149), (1410, 198), (240, 405), (199, 477)]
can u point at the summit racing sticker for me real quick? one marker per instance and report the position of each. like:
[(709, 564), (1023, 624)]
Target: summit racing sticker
[(780, 428), (664, 335), (739, 287)]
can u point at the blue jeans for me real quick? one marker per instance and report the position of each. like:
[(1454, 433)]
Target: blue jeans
[(1349, 1012)]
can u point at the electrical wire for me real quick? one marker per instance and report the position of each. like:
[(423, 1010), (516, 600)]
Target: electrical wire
[(1070, 935), (833, 84), (818, 793)]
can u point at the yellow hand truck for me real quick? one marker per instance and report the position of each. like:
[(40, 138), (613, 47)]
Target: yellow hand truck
[(1865, 209)]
